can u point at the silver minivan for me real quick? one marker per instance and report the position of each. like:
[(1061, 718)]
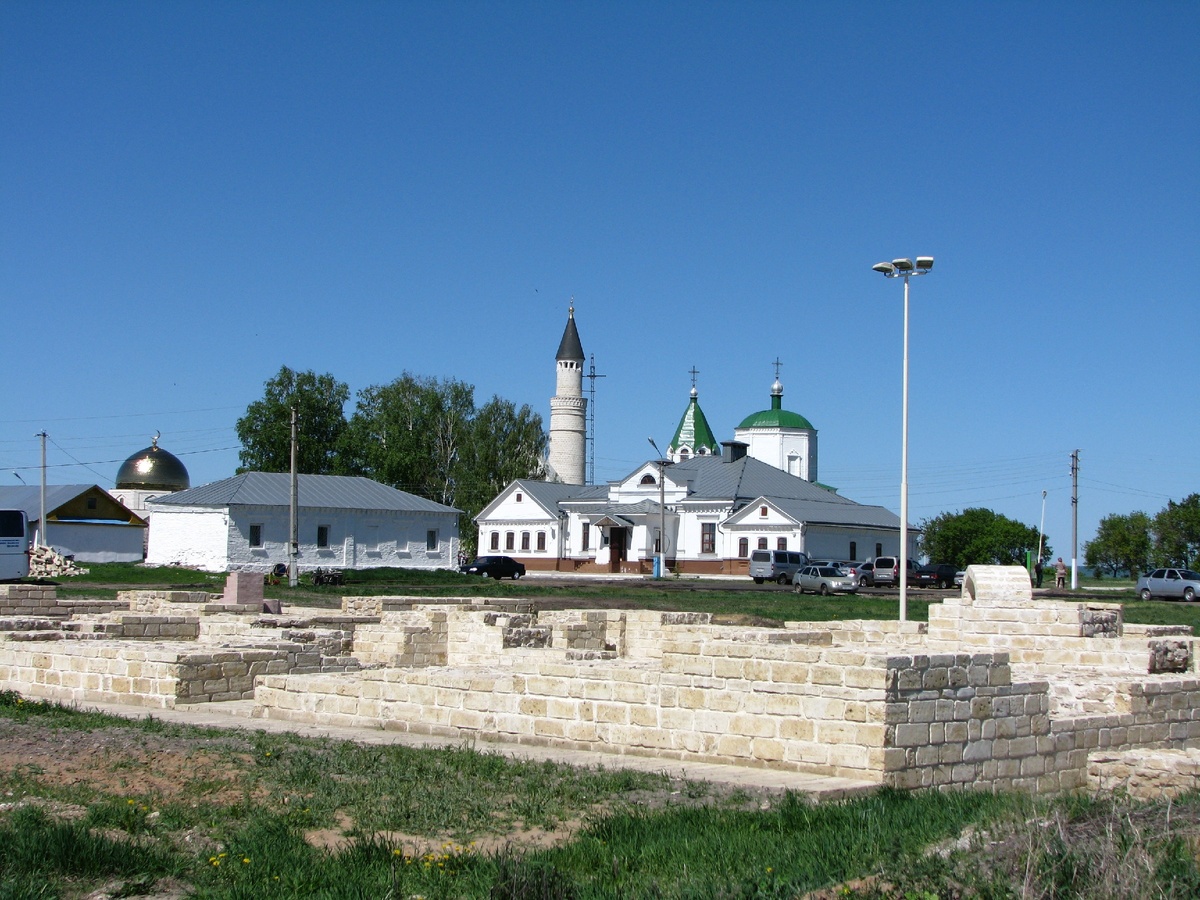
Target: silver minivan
[(779, 566), (887, 570)]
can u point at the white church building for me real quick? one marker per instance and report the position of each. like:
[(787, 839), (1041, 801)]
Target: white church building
[(709, 504)]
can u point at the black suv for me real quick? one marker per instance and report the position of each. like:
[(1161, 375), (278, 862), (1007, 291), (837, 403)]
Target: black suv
[(940, 574)]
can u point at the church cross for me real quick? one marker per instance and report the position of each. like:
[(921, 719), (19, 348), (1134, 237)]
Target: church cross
[(777, 364), (693, 371)]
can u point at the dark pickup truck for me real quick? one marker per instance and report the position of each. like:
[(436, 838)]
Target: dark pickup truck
[(940, 574)]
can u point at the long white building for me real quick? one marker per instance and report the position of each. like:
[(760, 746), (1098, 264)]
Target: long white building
[(242, 523)]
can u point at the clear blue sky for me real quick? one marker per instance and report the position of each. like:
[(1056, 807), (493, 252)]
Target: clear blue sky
[(192, 195)]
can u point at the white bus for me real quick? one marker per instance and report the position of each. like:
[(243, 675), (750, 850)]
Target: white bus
[(14, 544)]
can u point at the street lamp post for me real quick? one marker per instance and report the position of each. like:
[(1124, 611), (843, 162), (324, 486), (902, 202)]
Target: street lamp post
[(661, 568), (1041, 531), (904, 268)]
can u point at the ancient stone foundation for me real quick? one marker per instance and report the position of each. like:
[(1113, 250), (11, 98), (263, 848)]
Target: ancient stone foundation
[(997, 691)]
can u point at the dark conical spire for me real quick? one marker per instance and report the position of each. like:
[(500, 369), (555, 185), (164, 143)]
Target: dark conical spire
[(570, 346)]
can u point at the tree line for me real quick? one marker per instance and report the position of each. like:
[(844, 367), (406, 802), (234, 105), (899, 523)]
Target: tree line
[(1138, 542), (423, 435), (980, 536)]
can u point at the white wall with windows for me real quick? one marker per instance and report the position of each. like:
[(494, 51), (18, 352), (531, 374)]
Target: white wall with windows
[(256, 538)]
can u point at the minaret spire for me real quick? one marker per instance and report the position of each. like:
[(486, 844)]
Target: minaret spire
[(568, 408)]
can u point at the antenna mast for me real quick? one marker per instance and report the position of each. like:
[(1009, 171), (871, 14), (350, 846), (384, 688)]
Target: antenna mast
[(591, 438)]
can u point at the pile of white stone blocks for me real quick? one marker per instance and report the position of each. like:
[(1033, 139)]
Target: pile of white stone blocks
[(46, 562)]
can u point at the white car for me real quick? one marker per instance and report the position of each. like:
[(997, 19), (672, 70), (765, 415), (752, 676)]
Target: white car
[(825, 580), (1180, 584)]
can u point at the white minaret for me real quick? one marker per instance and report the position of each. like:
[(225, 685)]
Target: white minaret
[(568, 408)]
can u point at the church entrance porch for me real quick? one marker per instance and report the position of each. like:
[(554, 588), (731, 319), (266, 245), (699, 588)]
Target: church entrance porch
[(618, 548)]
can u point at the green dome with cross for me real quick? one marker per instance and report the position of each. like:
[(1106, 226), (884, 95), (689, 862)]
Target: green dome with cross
[(776, 416)]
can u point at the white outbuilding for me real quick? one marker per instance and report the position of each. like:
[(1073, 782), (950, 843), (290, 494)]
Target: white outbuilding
[(242, 524)]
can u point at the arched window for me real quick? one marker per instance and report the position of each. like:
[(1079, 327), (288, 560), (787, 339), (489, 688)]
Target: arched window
[(743, 547), (683, 454), (762, 543), (648, 479)]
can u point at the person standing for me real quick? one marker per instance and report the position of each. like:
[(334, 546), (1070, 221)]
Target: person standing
[(1060, 574), (1037, 571)]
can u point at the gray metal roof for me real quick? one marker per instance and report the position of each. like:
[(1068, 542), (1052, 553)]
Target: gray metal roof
[(551, 493), (592, 508), (838, 514), (313, 492), (713, 478), (29, 498)]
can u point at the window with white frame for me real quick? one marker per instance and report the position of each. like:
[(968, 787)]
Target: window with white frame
[(743, 547), (524, 541), (495, 544), (510, 540), (708, 537), (541, 541)]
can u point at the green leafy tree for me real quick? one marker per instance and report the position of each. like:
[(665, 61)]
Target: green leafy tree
[(1121, 544), (266, 429), (410, 434), (506, 443), (425, 436), (979, 536), (1177, 533)]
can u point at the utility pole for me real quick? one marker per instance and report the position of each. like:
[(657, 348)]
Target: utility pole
[(293, 524), (590, 477), (1074, 519), (42, 541)]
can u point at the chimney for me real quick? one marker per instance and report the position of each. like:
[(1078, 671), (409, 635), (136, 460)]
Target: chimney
[(732, 451)]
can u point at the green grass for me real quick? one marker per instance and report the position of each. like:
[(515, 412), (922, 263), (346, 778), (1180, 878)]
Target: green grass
[(134, 574), (689, 842)]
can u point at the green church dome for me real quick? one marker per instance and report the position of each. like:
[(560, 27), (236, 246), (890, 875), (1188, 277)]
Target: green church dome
[(776, 416)]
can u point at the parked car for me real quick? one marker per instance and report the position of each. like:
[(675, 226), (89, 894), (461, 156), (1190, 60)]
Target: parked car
[(866, 574), (852, 568), (1170, 583), (887, 570), (825, 580), (779, 566), (940, 574), (959, 577), (494, 567)]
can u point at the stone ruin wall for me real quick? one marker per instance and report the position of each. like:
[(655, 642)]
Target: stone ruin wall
[(166, 648), (996, 691)]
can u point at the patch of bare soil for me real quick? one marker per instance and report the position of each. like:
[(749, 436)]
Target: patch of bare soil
[(119, 762)]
